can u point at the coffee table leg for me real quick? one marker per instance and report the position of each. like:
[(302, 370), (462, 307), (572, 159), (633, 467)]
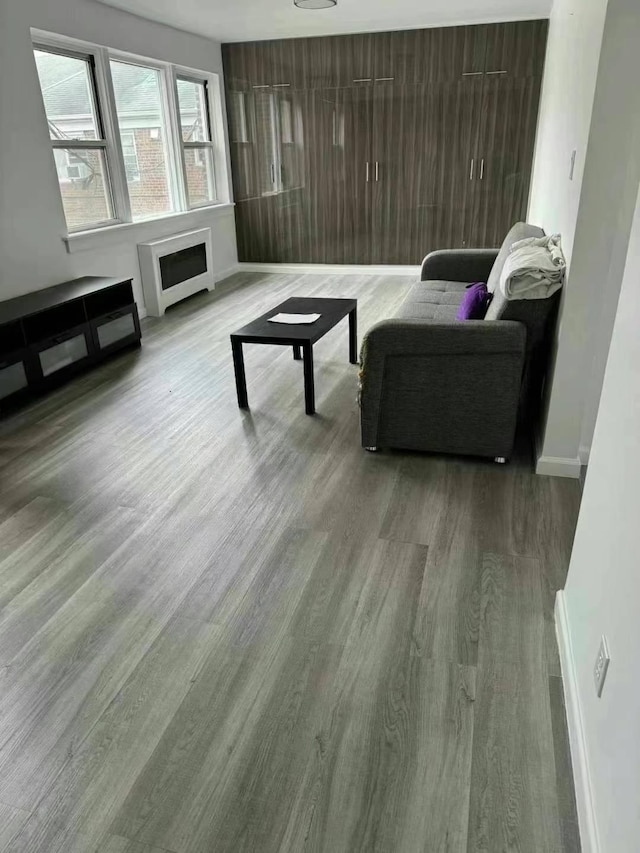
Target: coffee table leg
[(353, 336), (297, 353), (241, 380), (309, 390)]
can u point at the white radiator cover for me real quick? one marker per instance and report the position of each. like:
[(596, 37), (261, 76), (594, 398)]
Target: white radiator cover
[(156, 299)]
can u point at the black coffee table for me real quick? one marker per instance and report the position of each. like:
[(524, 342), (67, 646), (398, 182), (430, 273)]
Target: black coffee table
[(301, 337)]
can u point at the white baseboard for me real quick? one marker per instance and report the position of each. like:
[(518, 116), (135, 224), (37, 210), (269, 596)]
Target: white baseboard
[(559, 466), (583, 454), (332, 269), (222, 274), (579, 755)]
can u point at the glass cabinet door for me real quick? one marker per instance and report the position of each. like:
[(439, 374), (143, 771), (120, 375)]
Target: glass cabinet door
[(62, 354), (115, 329), (13, 377)]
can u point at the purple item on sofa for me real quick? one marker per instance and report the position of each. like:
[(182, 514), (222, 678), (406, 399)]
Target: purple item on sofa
[(475, 302)]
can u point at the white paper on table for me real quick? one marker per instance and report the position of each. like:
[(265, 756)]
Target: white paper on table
[(294, 319)]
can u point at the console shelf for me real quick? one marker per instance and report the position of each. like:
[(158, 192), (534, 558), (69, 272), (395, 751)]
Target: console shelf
[(50, 335)]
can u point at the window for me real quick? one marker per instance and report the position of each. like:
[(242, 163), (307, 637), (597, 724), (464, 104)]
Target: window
[(75, 129), (197, 147), (132, 139), (138, 95)]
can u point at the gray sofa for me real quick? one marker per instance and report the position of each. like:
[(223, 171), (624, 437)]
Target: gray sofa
[(431, 382)]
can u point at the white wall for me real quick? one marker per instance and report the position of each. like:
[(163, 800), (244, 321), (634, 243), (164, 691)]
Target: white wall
[(603, 585), (32, 224), (566, 102), (593, 213)]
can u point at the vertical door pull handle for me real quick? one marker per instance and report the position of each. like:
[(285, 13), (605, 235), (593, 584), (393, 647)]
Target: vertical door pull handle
[(367, 172), (471, 169), (482, 169), (377, 171), (273, 173)]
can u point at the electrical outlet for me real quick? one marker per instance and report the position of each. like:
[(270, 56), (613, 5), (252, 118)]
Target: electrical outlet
[(601, 665)]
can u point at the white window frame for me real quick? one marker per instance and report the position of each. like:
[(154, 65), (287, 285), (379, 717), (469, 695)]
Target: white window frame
[(102, 141), (99, 58), (208, 145)]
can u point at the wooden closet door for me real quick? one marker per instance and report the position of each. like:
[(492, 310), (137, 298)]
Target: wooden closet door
[(292, 186), (460, 104), (516, 48), (510, 109), (510, 100), (329, 208), (405, 173), (425, 173), (352, 141), (426, 140), (251, 115)]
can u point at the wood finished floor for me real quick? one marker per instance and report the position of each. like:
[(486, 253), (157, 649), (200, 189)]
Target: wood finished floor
[(226, 631)]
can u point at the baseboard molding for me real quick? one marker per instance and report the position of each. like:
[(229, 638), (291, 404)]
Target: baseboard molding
[(222, 274), (332, 269), (583, 454), (579, 755), (559, 466)]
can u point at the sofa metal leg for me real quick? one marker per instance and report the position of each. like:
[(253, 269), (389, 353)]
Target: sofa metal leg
[(372, 449), (501, 460)]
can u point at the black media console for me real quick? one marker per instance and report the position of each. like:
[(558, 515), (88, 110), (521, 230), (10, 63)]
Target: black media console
[(52, 334)]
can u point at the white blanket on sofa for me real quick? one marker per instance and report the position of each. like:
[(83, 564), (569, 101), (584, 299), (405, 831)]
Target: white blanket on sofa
[(534, 269)]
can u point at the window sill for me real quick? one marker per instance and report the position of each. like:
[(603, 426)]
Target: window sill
[(99, 238)]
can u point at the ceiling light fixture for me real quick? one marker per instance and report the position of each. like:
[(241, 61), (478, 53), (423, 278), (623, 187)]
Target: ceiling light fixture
[(315, 4)]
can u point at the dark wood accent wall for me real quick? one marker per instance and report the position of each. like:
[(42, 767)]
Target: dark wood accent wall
[(378, 148)]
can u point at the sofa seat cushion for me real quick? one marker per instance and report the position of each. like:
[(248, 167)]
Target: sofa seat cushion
[(410, 310), (438, 292)]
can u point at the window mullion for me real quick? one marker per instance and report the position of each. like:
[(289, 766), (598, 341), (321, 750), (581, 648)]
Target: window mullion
[(174, 132), (215, 111), (115, 156)]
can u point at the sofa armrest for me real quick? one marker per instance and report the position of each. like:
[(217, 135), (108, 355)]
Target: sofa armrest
[(458, 265), (433, 337), (442, 386)]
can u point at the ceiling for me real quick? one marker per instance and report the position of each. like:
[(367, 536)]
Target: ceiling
[(247, 20)]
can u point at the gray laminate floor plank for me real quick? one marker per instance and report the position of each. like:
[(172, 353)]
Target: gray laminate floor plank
[(447, 621), (65, 677), (11, 822), (514, 795), (117, 844), (96, 777), (236, 631), (511, 614), (564, 774), (58, 566)]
